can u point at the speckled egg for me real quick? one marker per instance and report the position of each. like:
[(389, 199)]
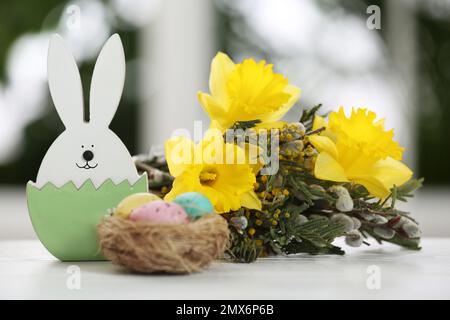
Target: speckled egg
[(195, 204), (128, 204), (160, 212)]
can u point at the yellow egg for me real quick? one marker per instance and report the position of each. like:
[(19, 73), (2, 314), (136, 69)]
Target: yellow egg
[(133, 201)]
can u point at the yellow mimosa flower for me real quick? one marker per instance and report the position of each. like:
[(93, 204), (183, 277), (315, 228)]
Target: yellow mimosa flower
[(214, 168), (246, 91), (358, 149)]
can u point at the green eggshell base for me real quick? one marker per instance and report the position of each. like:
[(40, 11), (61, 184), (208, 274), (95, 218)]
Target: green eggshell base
[(65, 219)]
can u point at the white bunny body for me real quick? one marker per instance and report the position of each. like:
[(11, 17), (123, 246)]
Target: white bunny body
[(63, 161), (86, 150)]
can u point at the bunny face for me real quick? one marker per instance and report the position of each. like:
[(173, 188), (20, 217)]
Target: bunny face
[(86, 150)]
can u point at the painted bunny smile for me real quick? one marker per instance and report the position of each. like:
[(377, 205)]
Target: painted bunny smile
[(87, 166)]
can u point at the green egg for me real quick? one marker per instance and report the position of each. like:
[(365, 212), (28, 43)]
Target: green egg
[(195, 204)]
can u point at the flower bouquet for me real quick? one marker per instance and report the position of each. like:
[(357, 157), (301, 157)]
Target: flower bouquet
[(287, 188)]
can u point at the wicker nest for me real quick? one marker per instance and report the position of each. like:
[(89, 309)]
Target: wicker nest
[(147, 247)]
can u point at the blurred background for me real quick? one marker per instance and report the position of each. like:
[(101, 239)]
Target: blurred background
[(390, 56)]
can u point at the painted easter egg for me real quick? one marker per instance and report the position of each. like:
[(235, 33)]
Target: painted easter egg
[(160, 212), (128, 204), (195, 204)]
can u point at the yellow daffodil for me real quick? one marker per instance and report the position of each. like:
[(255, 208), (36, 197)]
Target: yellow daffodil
[(358, 149), (214, 168), (246, 91)]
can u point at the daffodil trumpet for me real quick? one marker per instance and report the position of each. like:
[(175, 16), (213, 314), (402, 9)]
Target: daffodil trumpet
[(246, 91), (357, 149)]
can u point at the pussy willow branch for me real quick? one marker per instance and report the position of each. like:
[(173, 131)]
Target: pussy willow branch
[(156, 178), (315, 131)]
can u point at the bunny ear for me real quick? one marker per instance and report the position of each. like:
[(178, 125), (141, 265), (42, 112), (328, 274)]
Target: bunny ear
[(107, 82), (64, 83)]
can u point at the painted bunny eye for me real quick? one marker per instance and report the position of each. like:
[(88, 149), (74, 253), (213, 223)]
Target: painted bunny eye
[(92, 145), (82, 146)]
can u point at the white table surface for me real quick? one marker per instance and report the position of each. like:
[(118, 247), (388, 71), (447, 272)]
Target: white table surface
[(28, 271)]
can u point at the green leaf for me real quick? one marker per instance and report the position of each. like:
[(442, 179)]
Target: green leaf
[(297, 209), (412, 244), (310, 248), (406, 190), (244, 125), (321, 232), (307, 117), (301, 190), (243, 249)]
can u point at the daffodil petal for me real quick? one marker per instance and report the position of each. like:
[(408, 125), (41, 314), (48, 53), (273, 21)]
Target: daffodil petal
[(221, 67), (214, 110), (179, 153), (216, 125), (327, 168), (271, 125), (383, 175), (185, 182), (373, 185), (391, 172), (278, 114), (172, 194), (322, 143), (250, 200), (319, 122), (225, 201)]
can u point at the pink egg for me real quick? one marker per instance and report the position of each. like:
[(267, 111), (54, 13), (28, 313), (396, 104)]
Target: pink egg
[(160, 212)]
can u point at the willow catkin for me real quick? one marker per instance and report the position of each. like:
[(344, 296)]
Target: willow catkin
[(148, 247)]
